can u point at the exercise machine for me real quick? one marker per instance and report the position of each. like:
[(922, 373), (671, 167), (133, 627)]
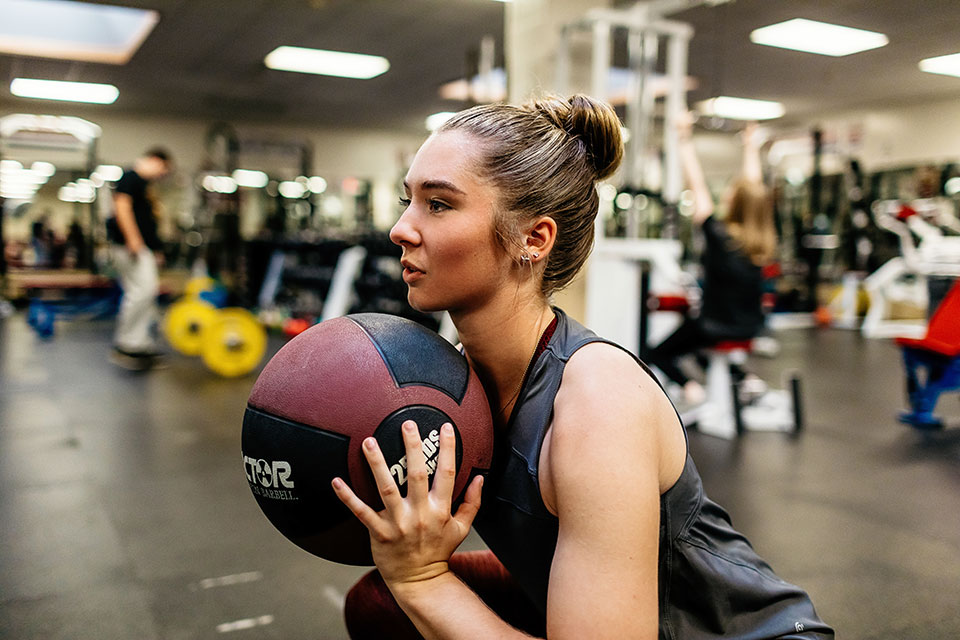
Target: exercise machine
[(926, 249)]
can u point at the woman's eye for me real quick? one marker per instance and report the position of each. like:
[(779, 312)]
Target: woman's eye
[(436, 206), (404, 202)]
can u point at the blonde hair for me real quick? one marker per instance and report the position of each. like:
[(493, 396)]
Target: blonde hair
[(545, 157), (750, 221)]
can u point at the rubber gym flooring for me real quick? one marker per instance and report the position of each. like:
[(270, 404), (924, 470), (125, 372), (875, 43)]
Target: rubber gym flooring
[(124, 511)]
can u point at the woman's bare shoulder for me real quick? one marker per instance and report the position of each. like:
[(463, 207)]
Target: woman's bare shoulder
[(603, 378)]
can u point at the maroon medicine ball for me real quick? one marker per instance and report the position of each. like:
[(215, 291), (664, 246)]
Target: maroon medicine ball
[(334, 385)]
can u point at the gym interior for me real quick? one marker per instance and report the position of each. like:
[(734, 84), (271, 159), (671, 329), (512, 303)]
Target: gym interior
[(126, 509)]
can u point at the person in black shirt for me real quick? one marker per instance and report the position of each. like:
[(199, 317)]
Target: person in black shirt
[(736, 249), (136, 256)]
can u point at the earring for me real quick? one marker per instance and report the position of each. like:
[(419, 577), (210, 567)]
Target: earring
[(524, 258), (535, 255)]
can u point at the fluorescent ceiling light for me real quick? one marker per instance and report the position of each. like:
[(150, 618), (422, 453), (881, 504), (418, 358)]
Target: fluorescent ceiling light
[(67, 91), (109, 172), (291, 189), (73, 30), (822, 38), (316, 184), (219, 184), (42, 168), (250, 179), (436, 120), (741, 108), (326, 63), (946, 65)]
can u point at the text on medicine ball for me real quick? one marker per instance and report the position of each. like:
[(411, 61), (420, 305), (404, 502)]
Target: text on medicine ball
[(271, 475), (430, 446)]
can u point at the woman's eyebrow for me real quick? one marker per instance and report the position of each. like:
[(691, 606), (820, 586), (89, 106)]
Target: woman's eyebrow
[(436, 185)]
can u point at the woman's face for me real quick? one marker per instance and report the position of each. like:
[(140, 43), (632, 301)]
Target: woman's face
[(451, 257)]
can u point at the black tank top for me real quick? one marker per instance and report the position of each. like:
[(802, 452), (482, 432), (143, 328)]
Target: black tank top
[(711, 582)]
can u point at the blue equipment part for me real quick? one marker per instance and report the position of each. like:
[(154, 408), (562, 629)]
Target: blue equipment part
[(928, 375), (42, 314), (217, 296)]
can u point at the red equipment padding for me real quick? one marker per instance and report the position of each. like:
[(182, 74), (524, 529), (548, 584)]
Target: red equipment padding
[(733, 345), (943, 332), (772, 270), (905, 212), (676, 303)]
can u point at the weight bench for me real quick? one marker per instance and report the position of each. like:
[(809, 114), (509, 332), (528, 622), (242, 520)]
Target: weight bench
[(933, 362), (725, 415), (67, 294)]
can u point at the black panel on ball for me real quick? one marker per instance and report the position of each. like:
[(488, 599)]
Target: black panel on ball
[(289, 467), (416, 355), (390, 439)]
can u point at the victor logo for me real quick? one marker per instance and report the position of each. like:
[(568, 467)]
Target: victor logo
[(269, 474)]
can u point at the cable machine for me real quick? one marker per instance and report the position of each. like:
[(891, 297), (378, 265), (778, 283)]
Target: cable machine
[(625, 272)]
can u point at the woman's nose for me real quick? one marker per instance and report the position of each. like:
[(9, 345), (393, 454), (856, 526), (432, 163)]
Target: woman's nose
[(403, 232)]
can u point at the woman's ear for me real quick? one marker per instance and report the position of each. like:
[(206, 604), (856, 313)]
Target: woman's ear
[(540, 238)]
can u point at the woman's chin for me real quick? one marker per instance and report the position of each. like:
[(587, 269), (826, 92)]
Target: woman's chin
[(423, 305)]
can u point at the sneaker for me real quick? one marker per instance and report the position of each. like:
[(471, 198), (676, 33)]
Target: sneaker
[(137, 360)]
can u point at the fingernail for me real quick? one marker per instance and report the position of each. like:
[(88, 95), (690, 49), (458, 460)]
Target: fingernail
[(447, 428), (337, 483), (370, 443), (409, 427)]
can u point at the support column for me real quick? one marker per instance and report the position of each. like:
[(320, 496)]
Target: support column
[(532, 45), (533, 49)]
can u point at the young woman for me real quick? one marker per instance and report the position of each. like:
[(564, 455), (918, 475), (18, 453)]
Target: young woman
[(593, 511), (736, 249)]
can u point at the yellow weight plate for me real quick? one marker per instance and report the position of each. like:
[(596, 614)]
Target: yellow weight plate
[(186, 323), (196, 286), (235, 343)]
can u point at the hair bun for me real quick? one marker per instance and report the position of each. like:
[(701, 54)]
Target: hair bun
[(594, 122)]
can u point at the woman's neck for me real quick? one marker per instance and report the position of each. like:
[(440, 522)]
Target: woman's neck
[(499, 340)]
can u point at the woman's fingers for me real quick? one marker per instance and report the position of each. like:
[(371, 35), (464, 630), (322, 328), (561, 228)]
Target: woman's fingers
[(446, 473), (418, 486), (471, 503), (370, 519), (389, 492)]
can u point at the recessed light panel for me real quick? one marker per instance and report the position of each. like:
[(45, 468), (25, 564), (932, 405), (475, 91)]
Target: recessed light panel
[(821, 38), (73, 30), (67, 91), (946, 65), (327, 63), (741, 108)]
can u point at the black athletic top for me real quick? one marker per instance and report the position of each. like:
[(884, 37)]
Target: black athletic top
[(732, 287), (134, 186), (711, 582)]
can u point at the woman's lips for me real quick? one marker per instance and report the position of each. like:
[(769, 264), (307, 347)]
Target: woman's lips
[(411, 274)]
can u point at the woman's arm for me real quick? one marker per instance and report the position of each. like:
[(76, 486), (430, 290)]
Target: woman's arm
[(413, 537), (692, 171), (605, 469), (615, 444), (752, 169)]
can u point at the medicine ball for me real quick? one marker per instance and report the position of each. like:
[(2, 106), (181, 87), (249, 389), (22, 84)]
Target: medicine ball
[(330, 387)]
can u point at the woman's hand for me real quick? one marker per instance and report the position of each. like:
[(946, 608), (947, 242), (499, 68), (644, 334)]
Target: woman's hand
[(414, 536)]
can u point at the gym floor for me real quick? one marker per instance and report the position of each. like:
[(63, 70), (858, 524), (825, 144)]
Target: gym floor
[(126, 514)]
